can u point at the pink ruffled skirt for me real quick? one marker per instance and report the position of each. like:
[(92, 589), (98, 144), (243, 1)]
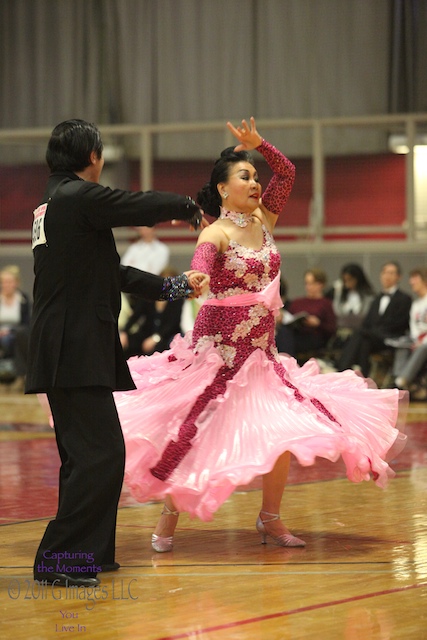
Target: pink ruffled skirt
[(242, 432)]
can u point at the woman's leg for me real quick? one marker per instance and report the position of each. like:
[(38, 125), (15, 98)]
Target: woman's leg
[(401, 357), (414, 365), (273, 486), (168, 521), (177, 449)]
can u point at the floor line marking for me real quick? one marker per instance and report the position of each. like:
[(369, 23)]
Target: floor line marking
[(281, 614)]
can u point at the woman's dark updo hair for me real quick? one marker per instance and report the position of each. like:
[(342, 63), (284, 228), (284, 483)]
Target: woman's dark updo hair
[(208, 197)]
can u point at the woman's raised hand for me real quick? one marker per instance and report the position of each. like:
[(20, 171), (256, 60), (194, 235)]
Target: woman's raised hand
[(248, 137)]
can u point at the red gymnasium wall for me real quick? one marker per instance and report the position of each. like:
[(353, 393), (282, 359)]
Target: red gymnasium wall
[(360, 190)]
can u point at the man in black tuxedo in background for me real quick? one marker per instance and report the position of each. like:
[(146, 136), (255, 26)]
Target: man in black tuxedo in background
[(75, 355), (388, 317)]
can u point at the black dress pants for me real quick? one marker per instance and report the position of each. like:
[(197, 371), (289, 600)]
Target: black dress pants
[(291, 341), (357, 350), (91, 447)]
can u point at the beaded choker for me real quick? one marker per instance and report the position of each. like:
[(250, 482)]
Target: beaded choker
[(239, 219)]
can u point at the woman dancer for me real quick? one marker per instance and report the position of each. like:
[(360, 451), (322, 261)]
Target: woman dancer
[(221, 406)]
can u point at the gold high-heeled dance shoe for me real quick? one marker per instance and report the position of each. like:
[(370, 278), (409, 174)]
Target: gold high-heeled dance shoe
[(163, 544), (284, 540)]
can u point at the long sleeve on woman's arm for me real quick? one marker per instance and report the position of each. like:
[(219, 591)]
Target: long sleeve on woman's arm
[(280, 186), (204, 257)]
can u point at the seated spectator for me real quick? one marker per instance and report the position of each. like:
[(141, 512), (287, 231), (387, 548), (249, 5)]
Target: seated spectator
[(14, 324), (388, 317), (411, 357), (152, 325), (312, 332), (351, 297)]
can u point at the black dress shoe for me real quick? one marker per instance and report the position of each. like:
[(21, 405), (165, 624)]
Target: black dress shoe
[(113, 566), (64, 580)]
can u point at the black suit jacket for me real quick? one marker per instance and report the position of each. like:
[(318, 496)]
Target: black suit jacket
[(74, 338), (395, 319)]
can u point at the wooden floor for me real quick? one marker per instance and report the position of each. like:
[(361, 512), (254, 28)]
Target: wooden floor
[(363, 574)]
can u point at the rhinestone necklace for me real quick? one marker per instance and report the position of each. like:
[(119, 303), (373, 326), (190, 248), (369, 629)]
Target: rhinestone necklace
[(239, 219)]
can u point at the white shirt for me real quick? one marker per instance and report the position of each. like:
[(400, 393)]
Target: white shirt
[(353, 304), (418, 318), (148, 256), (10, 313)]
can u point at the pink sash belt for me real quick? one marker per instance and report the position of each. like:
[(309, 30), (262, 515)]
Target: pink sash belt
[(269, 297)]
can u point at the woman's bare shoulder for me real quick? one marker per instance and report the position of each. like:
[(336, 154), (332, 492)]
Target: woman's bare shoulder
[(215, 234)]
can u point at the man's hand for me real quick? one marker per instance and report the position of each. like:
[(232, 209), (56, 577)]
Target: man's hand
[(198, 221), (203, 223)]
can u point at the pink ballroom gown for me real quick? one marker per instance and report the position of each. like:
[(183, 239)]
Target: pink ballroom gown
[(222, 404)]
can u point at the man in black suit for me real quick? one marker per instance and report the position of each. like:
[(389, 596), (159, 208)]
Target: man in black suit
[(387, 317), (75, 355)]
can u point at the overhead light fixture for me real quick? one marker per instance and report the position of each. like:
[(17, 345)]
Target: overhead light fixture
[(399, 143)]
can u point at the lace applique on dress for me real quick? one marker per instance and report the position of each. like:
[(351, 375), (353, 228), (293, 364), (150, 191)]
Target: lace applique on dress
[(227, 352), (245, 326), (262, 342)]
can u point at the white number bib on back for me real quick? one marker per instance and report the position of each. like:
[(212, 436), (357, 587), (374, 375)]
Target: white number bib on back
[(39, 236)]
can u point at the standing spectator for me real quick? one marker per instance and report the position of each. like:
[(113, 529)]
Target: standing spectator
[(311, 333), (388, 317), (147, 253)]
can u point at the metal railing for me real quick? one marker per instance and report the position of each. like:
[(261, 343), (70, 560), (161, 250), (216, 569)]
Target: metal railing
[(411, 126)]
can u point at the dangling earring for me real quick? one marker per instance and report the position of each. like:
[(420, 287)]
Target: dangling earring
[(225, 195)]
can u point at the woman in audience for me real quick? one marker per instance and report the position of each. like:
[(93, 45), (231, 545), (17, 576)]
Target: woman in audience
[(14, 324), (312, 332), (351, 297)]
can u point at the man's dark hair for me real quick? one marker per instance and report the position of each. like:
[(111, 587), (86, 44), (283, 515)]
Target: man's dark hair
[(71, 144), (394, 264)]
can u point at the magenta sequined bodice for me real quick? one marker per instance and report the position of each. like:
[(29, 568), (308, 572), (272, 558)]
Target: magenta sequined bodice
[(236, 331)]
